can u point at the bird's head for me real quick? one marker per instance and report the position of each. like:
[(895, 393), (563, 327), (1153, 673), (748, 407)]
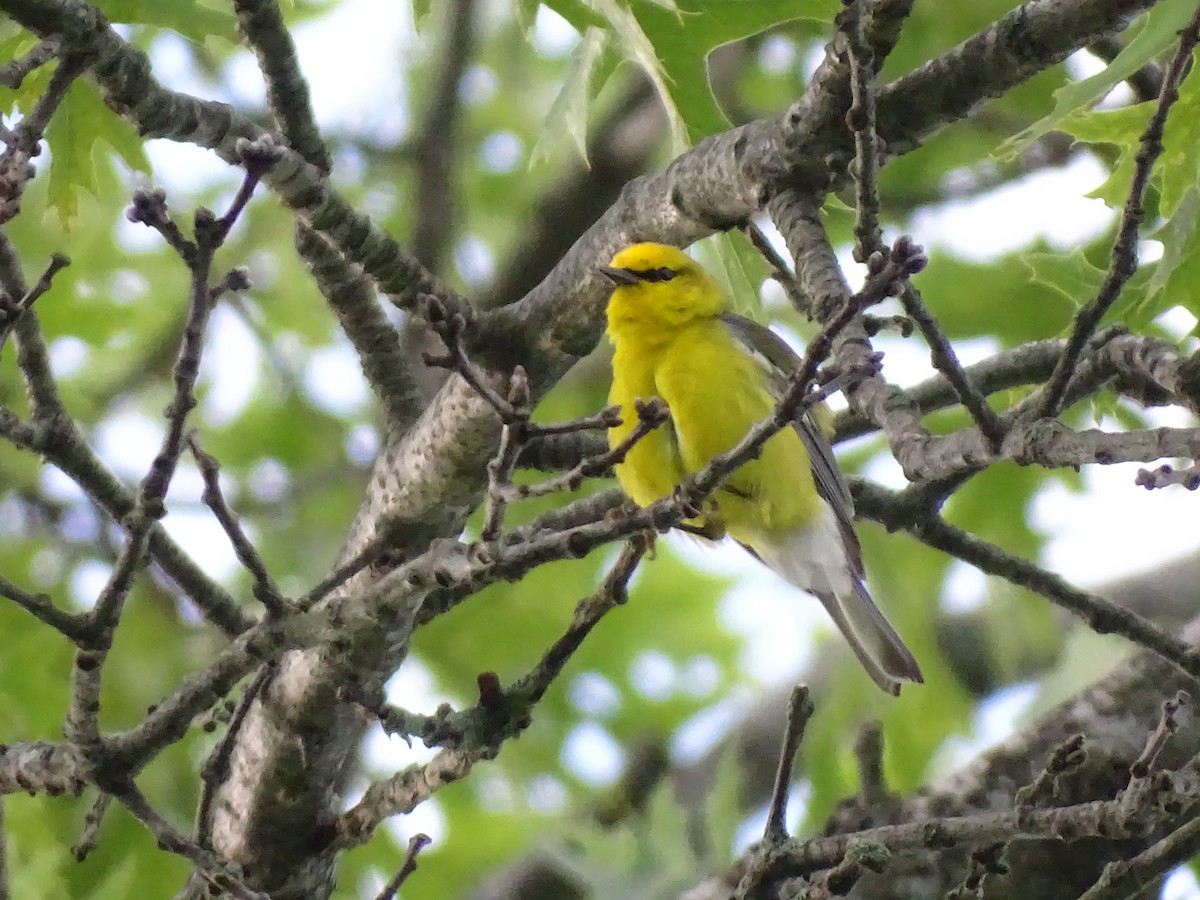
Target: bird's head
[(658, 288)]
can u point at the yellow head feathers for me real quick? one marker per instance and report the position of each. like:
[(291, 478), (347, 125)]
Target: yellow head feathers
[(659, 287)]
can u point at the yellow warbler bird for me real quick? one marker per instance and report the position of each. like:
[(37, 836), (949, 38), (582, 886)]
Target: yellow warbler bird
[(719, 374)]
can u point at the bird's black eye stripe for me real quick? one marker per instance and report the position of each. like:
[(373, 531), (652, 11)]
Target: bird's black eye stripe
[(660, 274)]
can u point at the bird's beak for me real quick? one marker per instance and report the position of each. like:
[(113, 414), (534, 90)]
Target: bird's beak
[(619, 276)]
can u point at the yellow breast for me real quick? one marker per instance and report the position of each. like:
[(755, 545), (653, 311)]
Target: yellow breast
[(716, 391)]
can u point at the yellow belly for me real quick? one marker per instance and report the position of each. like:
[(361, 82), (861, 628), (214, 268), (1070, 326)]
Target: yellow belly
[(653, 467), (715, 394)]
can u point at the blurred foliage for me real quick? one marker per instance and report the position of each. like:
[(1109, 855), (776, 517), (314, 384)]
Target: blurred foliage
[(283, 408)]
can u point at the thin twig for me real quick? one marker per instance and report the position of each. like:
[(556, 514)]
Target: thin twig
[(1167, 726), (57, 440), (91, 827), (265, 589), (416, 844), (945, 360), (577, 513), (15, 72), (1023, 365), (611, 593), (24, 142), (1101, 818), (868, 752), (33, 126), (798, 217), (651, 414), (451, 327), (149, 508), (375, 552), (447, 728), (901, 325), (1167, 475), (1092, 372), (800, 710), (11, 311), (1125, 879), (1124, 253), (219, 872), (171, 718), (840, 880), (781, 272), (476, 734), (216, 767), (517, 430), (149, 207), (1101, 615), (608, 417), (42, 607), (861, 120), (1067, 757), (500, 467), (1141, 768), (259, 156), (236, 279)]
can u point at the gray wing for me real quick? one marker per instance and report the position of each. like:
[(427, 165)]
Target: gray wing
[(779, 361)]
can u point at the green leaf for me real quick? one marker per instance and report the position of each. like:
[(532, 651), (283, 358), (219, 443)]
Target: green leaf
[(525, 13), (1175, 280), (79, 123), (194, 19), (569, 112), (72, 135), (680, 42), (1177, 169), (577, 14), (1179, 165), (743, 269), (971, 298), (638, 47), (1148, 37), (1121, 128), (1073, 276), (420, 12), (15, 46), (1069, 274)]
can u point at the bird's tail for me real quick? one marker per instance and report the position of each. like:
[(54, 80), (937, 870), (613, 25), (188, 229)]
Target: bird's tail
[(817, 560), (880, 650)]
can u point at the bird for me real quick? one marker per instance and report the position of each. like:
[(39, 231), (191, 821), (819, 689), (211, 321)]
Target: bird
[(674, 337)]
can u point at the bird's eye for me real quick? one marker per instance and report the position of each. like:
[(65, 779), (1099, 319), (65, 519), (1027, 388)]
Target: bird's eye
[(660, 274)]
